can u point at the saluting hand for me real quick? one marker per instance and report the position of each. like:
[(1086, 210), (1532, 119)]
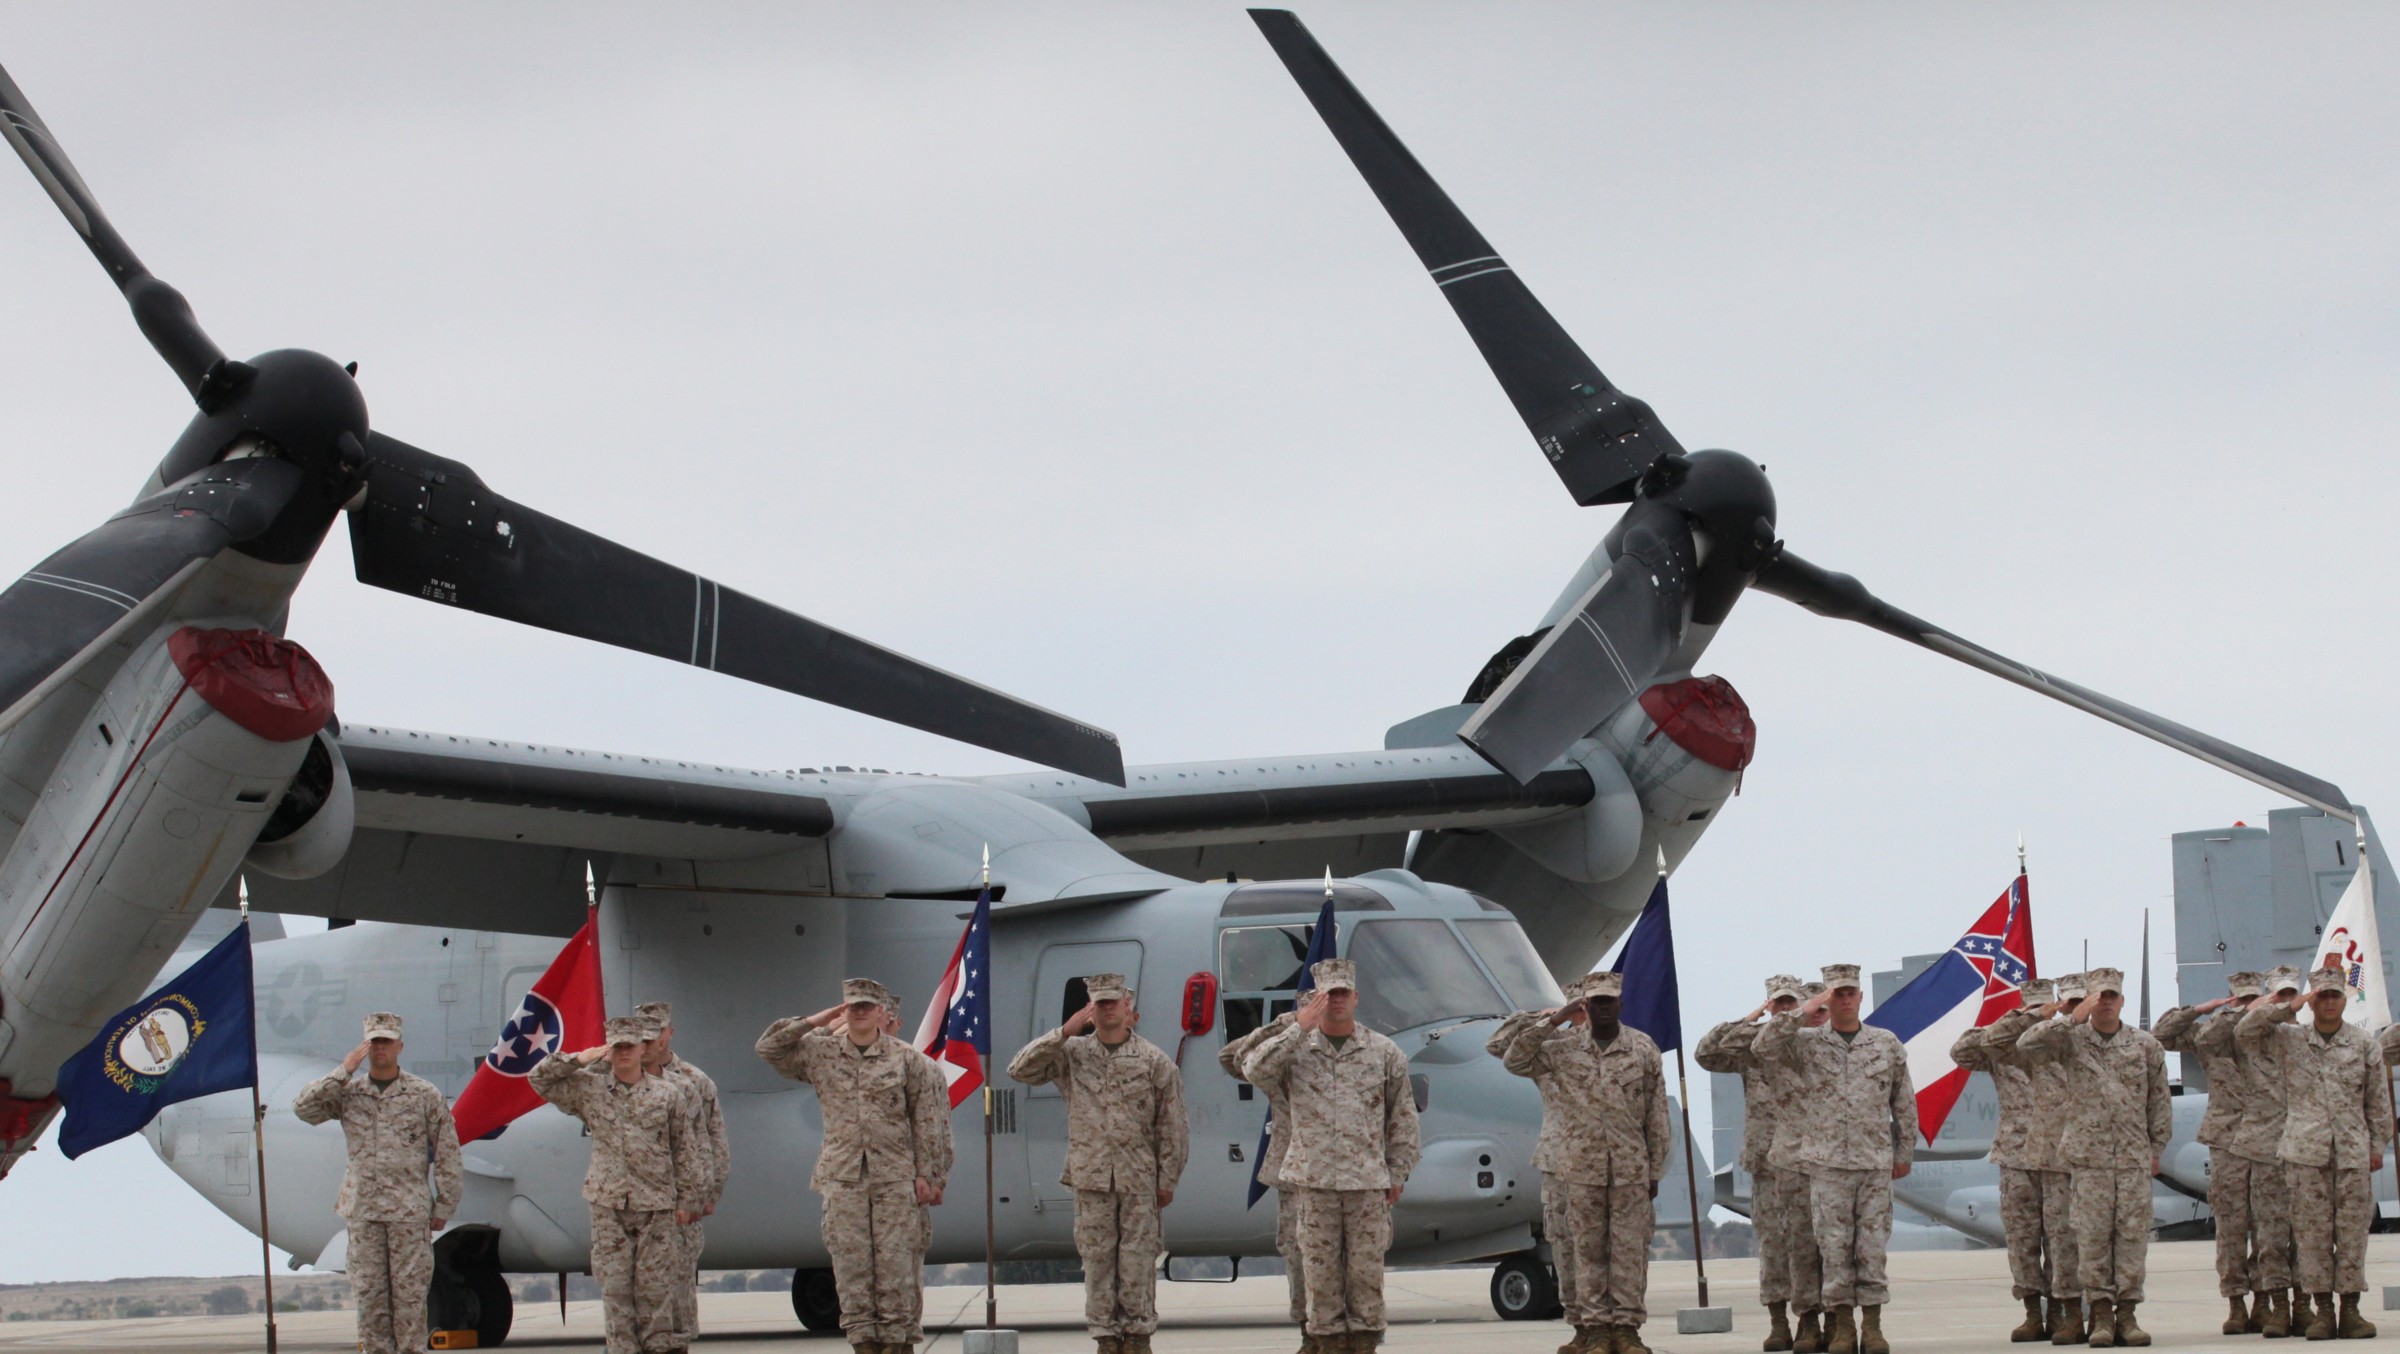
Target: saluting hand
[(1752, 1018), (1566, 1013), (1312, 1011), (590, 1055), (2084, 1008), (357, 1055), (1816, 1003), (824, 1019), (1080, 1021)]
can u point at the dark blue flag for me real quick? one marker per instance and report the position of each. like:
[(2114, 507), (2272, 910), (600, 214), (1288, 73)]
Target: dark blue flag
[(1320, 946), (195, 1036), (1652, 1004)]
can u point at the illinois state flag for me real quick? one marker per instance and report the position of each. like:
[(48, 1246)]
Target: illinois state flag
[(195, 1036), (957, 1031), (1976, 983), (561, 1014)]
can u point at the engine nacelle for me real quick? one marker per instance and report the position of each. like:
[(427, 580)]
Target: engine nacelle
[(309, 831)]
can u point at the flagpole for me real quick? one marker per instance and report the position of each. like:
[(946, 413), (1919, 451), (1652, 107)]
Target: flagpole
[(1691, 1173), (2391, 1095), (991, 1248), (258, 1136)]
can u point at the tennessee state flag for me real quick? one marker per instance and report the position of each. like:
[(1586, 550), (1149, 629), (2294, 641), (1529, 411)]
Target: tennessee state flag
[(560, 1014), (1977, 982), (957, 1030)]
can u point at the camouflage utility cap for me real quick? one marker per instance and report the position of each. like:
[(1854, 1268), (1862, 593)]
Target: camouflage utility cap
[(383, 1025), (2071, 987), (873, 993), (2328, 980), (1783, 985), (1841, 975), (1600, 985), (1335, 973), (1812, 989), (2247, 983), (2105, 980), (2040, 991), (1107, 987), (2283, 978), (659, 1013), (624, 1030)]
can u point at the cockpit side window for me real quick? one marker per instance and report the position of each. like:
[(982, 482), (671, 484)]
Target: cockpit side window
[(1503, 948), (1415, 972), (1254, 963)]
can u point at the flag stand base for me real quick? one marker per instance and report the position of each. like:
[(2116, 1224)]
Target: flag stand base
[(1703, 1320), (989, 1342)]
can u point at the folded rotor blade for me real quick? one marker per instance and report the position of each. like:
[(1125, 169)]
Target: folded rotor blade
[(1598, 438), (164, 316), (1601, 654), (79, 600), (1843, 597), (430, 528)]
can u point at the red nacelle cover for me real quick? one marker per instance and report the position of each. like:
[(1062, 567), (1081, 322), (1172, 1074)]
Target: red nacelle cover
[(267, 685), (1705, 717)]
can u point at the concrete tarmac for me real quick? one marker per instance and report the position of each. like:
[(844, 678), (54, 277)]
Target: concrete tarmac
[(1942, 1301)]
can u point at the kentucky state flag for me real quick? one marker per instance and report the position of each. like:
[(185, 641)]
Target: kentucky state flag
[(1976, 983), (195, 1036), (561, 1014)]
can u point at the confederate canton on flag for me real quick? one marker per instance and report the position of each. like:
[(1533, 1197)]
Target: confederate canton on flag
[(1976, 983)]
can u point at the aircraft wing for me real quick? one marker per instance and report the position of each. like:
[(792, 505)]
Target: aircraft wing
[(489, 835)]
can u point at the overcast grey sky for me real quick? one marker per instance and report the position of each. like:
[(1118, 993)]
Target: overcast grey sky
[(1061, 346)]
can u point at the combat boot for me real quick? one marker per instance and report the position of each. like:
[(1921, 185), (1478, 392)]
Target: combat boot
[(1779, 1328), (2066, 1322), (1580, 1341), (1808, 1334), (2033, 1327), (2277, 1322), (2129, 1331), (2104, 1322), (1844, 1336), (1629, 1341), (2237, 1319), (1108, 1344), (2320, 1317), (1870, 1331), (2352, 1326)]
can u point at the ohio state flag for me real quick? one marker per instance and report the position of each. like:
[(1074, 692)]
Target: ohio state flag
[(561, 1014)]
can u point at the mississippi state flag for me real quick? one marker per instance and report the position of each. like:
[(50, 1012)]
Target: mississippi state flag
[(957, 1033), (560, 1014), (1976, 983)]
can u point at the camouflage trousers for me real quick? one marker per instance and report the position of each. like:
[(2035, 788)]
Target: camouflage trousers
[(1796, 1217), (1612, 1225), (2061, 1261), (1772, 1228), (1342, 1235), (687, 1289), (2331, 1207), (2113, 1218), (637, 1255), (2232, 1180), (2268, 1201), (873, 1234), (1117, 1235), (391, 1266), (2021, 1223), (1558, 1228), (1851, 1214), (1287, 1245)]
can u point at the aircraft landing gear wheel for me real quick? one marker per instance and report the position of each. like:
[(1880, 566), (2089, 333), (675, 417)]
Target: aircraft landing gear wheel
[(1523, 1289), (496, 1307), (468, 1291), (814, 1300)]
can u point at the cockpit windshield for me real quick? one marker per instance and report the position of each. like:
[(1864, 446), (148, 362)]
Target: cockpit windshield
[(1503, 948), (1414, 972)]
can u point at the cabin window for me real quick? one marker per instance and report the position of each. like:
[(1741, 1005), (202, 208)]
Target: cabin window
[(1254, 965), (1415, 972), (1503, 948)]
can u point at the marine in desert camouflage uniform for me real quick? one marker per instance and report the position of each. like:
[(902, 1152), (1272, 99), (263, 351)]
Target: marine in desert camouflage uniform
[(1612, 1152), (2337, 1117), (1557, 1225), (1858, 1134), (2205, 1031), (646, 1180), (1128, 1138), (1812, 1329), (2253, 1153), (1270, 1161), (1988, 1050), (708, 1134), (886, 1157), (1729, 1048), (2118, 1122), (394, 1125), (1354, 1140)]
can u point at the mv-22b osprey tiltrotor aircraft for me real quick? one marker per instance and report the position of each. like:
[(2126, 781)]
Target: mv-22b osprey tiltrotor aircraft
[(1489, 846)]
